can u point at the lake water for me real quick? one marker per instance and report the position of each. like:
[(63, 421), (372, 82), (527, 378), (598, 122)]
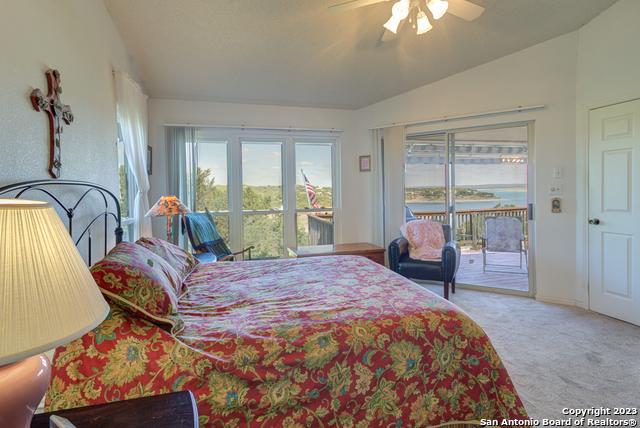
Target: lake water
[(504, 196)]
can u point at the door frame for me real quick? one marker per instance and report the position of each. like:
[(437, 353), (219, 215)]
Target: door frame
[(531, 195), (583, 257)]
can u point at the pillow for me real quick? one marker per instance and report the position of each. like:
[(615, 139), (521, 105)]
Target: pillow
[(140, 282), (426, 239), (182, 261)]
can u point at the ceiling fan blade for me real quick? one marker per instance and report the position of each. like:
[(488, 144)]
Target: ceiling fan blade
[(353, 4), (465, 9)]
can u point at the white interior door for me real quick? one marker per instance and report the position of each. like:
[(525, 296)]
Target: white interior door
[(614, 211)]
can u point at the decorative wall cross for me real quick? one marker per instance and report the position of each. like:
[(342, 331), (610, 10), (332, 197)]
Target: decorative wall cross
[(57, 114)]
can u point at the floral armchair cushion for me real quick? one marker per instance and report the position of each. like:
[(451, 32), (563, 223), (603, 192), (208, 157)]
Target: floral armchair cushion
[(503, 234), (141, 282), (182, 261)]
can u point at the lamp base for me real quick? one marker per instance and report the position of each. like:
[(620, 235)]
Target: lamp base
[(22, 386)]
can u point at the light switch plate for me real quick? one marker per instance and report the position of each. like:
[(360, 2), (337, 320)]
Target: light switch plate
[(555, 190), (557, 172)]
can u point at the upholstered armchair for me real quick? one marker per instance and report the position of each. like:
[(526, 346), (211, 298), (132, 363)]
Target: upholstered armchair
[(441, 270)]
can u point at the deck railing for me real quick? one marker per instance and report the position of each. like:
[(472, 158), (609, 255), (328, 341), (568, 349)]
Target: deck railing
[(470, 223), (320, 229)]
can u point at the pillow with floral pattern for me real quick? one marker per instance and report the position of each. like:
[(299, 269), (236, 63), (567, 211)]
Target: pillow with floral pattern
[(179, 259), (141, 282)]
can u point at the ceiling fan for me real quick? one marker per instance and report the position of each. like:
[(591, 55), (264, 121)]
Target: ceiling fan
[(414, 12)]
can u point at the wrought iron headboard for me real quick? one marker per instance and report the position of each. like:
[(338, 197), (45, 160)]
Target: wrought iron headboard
[(111, 206)]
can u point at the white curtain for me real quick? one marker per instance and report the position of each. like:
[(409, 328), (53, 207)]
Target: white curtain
[(393, 181), (182, 150), (378, 196), (131, 110)]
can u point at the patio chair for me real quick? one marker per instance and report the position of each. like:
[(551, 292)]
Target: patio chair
[(408, 214), (205, 238), (503, 235)]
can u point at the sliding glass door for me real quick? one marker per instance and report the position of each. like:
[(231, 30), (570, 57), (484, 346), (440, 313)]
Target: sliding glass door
[(476, 180), (426, 174)]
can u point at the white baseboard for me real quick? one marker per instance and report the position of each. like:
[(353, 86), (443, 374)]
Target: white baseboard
[(557, 300)]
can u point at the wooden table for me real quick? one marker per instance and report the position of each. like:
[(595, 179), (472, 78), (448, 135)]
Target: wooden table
[(370, 251), (174, 410)]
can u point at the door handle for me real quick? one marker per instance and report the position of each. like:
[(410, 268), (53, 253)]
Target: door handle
[(594, 221)]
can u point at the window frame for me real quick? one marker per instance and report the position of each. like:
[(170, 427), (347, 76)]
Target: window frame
[(234, 138), (218, 213), (127, 222), (240, 192), (315, 141)]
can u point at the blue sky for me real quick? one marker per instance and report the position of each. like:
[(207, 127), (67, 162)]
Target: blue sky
[(214, 157), (315, 160), (261, 163)]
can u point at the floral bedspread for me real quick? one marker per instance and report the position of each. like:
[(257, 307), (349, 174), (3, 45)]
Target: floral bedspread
[(321, 341)]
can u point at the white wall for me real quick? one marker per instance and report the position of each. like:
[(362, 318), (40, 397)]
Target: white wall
[(355, 186), (608, 72), (542, 74), (591, 67), (78, 38)]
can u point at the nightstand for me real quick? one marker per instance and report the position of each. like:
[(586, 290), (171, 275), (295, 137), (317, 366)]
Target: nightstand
[(174, 410), (370, 251)]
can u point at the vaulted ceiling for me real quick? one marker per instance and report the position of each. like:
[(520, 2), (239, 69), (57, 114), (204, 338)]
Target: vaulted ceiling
[(297, 52)]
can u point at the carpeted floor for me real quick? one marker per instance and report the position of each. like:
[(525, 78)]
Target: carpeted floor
[(558, 356)]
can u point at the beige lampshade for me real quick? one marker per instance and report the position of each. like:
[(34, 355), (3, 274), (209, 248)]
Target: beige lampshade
[(47, 295), (167, 206)]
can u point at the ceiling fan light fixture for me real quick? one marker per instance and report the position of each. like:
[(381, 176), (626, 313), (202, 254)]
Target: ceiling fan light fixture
[(400, 9), (438, 8), (422, 23), (392, 24)]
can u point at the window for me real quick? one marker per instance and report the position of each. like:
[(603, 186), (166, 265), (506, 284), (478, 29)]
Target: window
[(262, 197), (314, 193), (253, 185), (127, 189), (212, 190)]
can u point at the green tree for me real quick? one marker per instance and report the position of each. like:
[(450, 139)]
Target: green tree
[(212, 197), (264, 231), (208, 195), (124, 191)]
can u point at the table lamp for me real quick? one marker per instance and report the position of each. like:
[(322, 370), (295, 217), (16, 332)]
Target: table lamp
[(167, 206), (47, 298)]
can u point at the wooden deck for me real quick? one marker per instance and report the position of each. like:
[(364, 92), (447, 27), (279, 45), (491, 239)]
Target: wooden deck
[(509, 276)]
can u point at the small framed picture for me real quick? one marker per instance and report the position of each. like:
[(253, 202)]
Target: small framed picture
[(556, 206), (365, 163), (149, 160)]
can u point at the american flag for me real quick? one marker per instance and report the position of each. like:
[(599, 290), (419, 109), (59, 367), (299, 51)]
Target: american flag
[(311, 191)]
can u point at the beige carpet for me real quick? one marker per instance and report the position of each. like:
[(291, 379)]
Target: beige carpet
[(558, 356)]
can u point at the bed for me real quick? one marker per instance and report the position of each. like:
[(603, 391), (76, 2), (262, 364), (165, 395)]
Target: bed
[(331, 341)]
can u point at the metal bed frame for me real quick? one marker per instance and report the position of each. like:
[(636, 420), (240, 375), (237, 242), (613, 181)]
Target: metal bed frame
[(111, 208)]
